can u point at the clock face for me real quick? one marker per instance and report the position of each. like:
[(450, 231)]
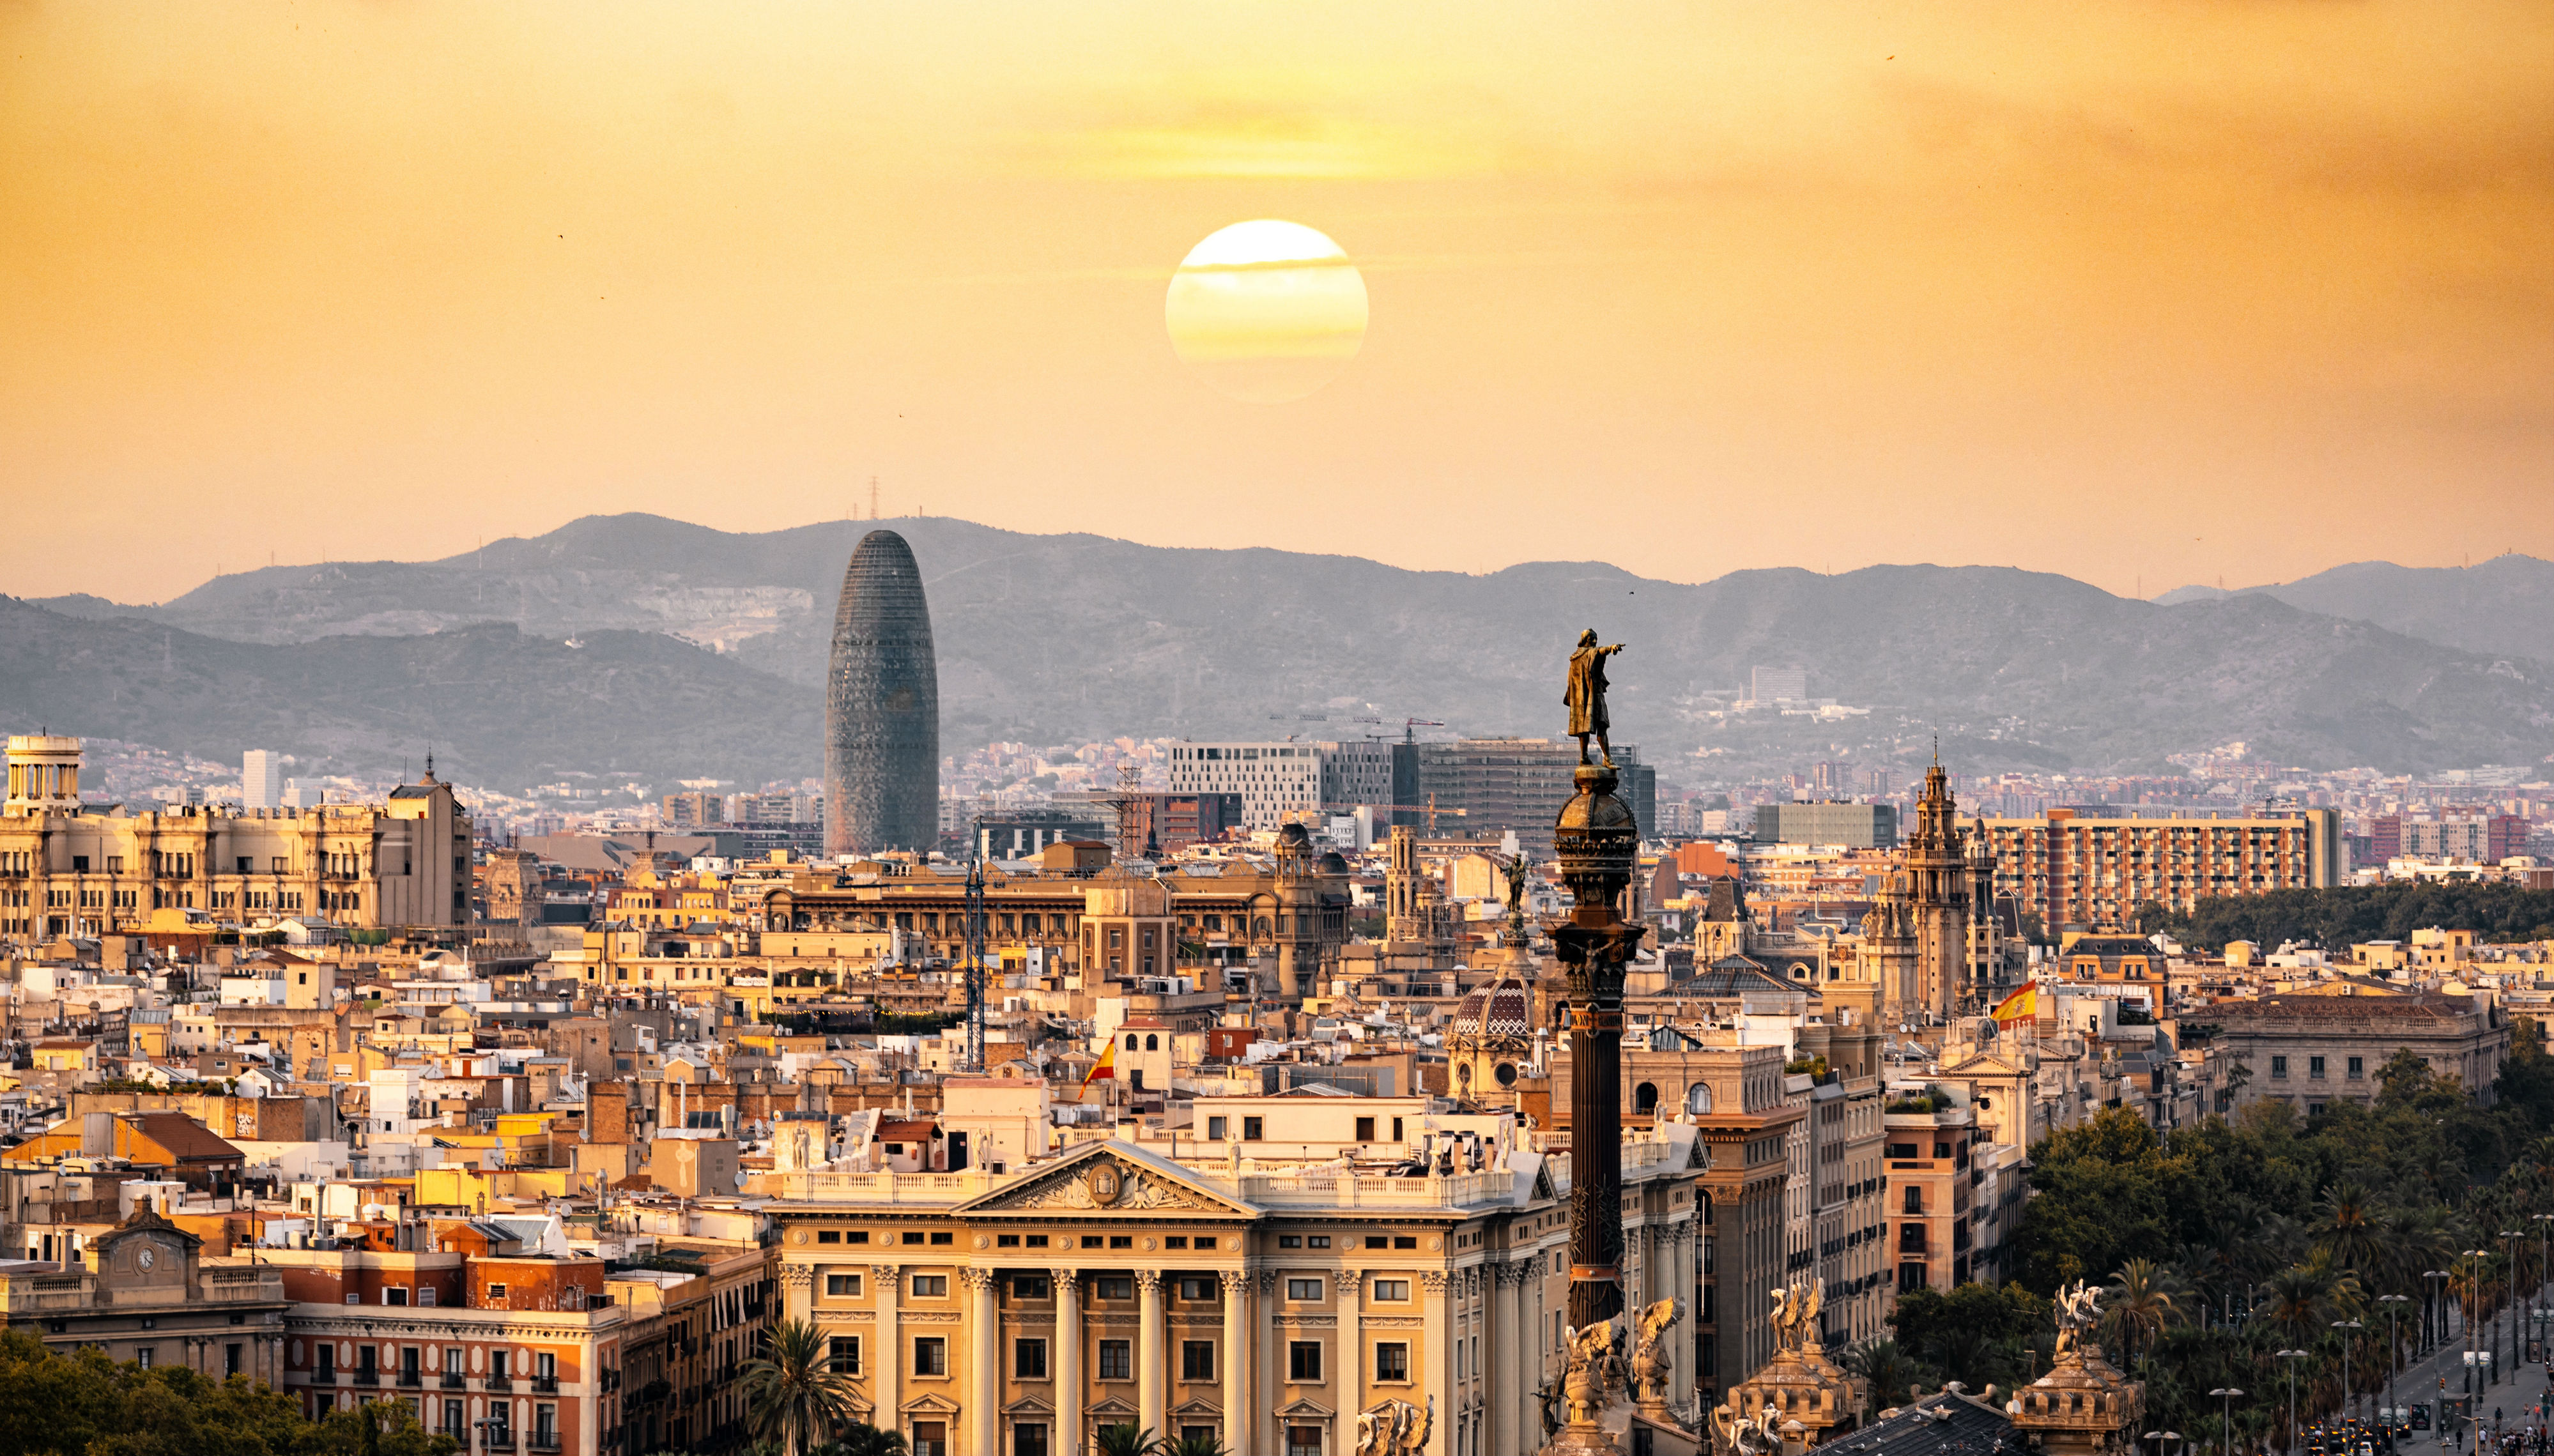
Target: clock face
[(146, 1258)]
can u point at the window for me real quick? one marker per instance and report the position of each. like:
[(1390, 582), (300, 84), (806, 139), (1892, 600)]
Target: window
[(1904, 1150), (1205, 1241), (1392, 1362), (1364, 1130), (496, 1291), (1113, 1286), (2358, 1067), (1006, 1241), (142, 1357), (1196, 1359), (829, 1236), (1303, 1440), (1397, 1290), (1316, 1240), (1197, 1290), (1093, 1241), (1915, 1201), (1196, 1435), (1910, 1277), (1290, 1241), (1645, 1099), (843, 1354), (912, 1235), (944, 1238), (930, 1355), (1214, 1128), (842, 1287), (2279, 1068), (1116, 1359), (1304, 1361), (1176, 1241), (1028, 1439), (2314, 1068), (931, 1287), (1378, 1240), (930, 1438), (395, 1294), (1029, 1359), (1303, 1288), (1250, 1129), (1031, 1286), (1405, 1241)]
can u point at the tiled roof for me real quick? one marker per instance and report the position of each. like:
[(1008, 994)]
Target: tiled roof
[(1940, 1425)]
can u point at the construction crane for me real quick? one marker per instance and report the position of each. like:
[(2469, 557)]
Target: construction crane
[(1128, 803), (1410, 724), (975, 964), (1430, 808)]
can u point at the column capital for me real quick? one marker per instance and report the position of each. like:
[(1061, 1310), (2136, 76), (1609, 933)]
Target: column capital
[(798, 1275), (887, 1271), (1433, 1281), (1149, 1281), (1268, 1281), (1349, 1281), (1236, 1281), (1066, 1279), (976, 1278)]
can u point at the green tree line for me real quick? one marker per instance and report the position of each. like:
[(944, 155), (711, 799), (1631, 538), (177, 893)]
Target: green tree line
[(83, 1404), (2222, 1244), (2336, 919)]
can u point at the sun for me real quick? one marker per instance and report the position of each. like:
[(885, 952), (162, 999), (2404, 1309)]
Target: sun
[(1266, 312)]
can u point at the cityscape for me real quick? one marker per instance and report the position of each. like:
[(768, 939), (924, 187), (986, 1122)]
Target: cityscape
[(1252, 730)]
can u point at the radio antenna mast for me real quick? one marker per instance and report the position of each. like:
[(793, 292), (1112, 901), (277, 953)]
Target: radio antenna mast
[(975, 964)]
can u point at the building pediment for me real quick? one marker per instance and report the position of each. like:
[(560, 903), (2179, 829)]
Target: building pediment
[(1305, 1411), (1112, 1405), (1029, 1405), (1197, 1408), (1110, 1178), (930, 1403)]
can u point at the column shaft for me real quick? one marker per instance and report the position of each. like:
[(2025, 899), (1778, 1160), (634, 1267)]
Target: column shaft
[(888, 1360), (1067, 1361), (1238, 1428), (1437, 1370), (984, 1358), (1151, 1411), (1349, 1351), (1272, 1373), (1507, 1361)]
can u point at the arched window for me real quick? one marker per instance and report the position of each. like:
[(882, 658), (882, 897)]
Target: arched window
[(1130, 1041), (1507, 1073), (1152, 1043), (1645, 1098), (1697, 1098)]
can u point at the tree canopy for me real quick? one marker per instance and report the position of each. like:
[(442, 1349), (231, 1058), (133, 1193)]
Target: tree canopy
[(2339, 917), (83, 1404)]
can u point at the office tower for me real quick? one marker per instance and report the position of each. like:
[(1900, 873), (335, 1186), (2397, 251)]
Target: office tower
[(882, 707), (261, 779)]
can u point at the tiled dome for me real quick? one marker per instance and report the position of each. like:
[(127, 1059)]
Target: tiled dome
[(1503, 1008)]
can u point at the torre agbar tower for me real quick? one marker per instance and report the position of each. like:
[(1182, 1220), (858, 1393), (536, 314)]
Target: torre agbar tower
[(882, 707)]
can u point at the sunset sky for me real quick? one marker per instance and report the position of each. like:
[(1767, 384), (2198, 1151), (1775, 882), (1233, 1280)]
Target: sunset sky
[(2144, 293)]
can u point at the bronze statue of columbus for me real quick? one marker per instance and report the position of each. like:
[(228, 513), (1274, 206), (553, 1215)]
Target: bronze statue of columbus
[(1586, 696)]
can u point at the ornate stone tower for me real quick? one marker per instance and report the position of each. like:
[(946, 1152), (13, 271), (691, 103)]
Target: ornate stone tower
[(882, 707), (1937, 878)]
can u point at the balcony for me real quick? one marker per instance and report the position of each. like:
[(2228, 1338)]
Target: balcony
[(546, 1385), (410, 1380), (323, 1377), (454, 1380), (500, 1383), (499, 1440), (546, 1440), (368, 1376)]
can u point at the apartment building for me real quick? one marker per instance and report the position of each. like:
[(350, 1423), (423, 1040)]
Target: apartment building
[(2095, 873), (1273, 780)]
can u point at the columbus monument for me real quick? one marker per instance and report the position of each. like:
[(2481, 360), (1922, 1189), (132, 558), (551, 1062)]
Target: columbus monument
[(882, 707), (1598, 843)]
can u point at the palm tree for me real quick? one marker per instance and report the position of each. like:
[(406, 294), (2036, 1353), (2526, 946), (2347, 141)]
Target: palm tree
[(2140, 1302), (2347, 1227), (1885, 1370), (864, 1439), (2300, 1300), (793, 1394), (1196, 1443), (1125, 1440)]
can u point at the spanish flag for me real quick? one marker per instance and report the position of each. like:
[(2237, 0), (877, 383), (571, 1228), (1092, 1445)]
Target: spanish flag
[(2022, 1005), (1104, 1069)]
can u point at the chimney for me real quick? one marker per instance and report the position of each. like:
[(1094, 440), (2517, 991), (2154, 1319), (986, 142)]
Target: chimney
[(97, 1135)]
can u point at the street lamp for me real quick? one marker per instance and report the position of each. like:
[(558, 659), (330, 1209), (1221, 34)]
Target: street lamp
[(2433, 1313), (2474, 1289), (2292, 1357), (2161, 1436), (2350, 1337), (2226, 1418), (2544, 1234), (2509, 1238), (2393, 1350)]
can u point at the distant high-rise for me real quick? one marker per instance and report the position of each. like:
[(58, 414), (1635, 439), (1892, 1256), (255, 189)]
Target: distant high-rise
[(261, 779), (882, 707)]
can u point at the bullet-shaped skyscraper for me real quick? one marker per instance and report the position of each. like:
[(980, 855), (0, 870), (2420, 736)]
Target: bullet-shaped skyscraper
[(882, 707)]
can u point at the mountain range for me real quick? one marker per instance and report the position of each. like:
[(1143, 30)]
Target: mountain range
[(662, 650)]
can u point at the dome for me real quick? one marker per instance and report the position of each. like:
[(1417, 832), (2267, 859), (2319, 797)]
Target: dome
[(1503, 1008), (1333, 863), (1293, 837)]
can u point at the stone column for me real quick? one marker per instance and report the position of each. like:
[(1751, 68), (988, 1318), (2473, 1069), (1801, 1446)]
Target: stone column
[(984, 1363), (1508, 1358), (1151, 1410), (1272, 1372), (1348, 1349), (797, 1287), (1238, 1428), (1679, 1285), (887, 1385), (1437, 1372), (1067, 1361)]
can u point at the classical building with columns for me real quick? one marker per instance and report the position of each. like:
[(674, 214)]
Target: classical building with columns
[(142, 1293), (1264, 1302)]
